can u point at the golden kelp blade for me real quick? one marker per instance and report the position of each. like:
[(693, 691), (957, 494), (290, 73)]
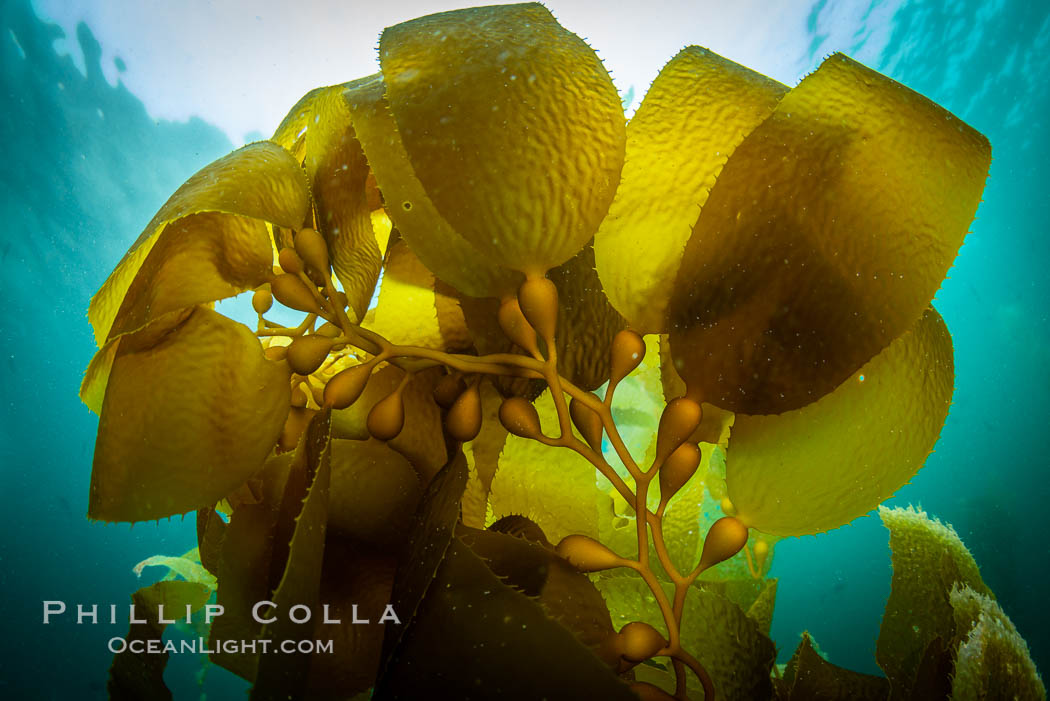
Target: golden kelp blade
[(447, 254), (192, 252), (824, 238), (410, 311), (822, 466), (291, 131), (283, 676), (249, 563), (338, 173), (374, 492), (511, 124), (93, 386), (696, 112), (187, 417), (555, 488), (586, 321), (482, 456)]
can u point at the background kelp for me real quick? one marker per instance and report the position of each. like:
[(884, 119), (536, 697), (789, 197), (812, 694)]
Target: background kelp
[(493, 169)]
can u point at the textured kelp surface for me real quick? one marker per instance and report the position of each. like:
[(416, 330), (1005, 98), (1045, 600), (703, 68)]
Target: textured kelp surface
[(775, 370)]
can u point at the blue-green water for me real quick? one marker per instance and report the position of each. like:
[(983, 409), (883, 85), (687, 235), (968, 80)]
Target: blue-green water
[(85, 167)]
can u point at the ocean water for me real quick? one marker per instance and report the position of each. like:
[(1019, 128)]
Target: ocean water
[(85, 167)]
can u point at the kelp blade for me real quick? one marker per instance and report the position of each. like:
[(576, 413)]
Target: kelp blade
[(187, 417), (822, 466), (692, 118), (442, 249), (824, 239), (512, 126), (209, 238)]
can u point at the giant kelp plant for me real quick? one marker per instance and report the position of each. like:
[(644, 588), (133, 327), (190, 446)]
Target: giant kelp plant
[(611, 363)]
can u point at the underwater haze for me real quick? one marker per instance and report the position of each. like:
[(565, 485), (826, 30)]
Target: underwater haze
[(86, 166)]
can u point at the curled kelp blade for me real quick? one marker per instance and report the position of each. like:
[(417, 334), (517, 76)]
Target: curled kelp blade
[(96, 376), (442, 249), (821, 466), (442, 585), (824, 238), (512, 126), (695, 113), (208, 242), (338, 173), (564, 593), (191, 411), (291, 131)]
